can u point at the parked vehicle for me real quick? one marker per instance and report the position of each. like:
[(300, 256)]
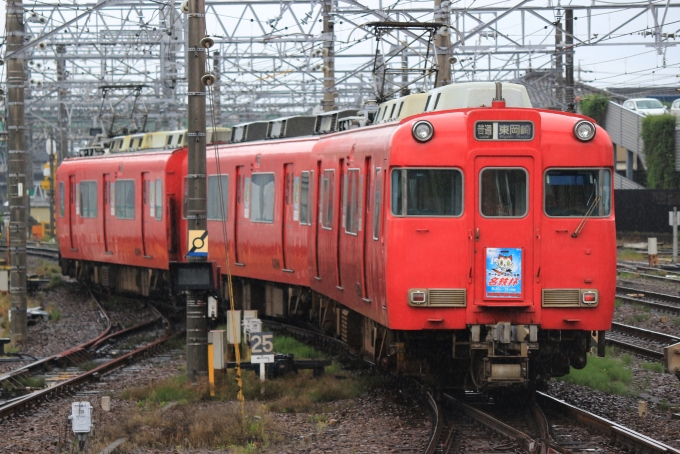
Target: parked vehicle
[(646, 106)]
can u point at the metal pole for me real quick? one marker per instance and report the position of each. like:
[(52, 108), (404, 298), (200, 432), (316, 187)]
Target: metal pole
[(216, 91), (17, 178), (197, 333), (558, 62), (62, 94), (675, 234), (443, 43), (51, 198), (329, 92), (569, 41)]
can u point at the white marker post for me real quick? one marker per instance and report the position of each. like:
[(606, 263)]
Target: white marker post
[(262, 351)]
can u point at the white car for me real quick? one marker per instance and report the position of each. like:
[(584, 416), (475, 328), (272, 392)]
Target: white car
[(675, 108), (645, 106)]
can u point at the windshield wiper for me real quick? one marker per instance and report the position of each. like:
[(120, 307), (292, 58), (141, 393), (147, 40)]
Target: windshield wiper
[(591, 208)]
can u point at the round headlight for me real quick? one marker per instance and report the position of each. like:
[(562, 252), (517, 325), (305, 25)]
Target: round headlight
[(584, 131), (422, 131)]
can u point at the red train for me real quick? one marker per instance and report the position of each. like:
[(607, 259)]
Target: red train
[(476, 243)]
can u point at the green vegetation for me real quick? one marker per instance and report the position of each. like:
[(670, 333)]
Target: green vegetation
[(611, 374), (289, 345), (88, 365), (618, 303), (594, 106), (55, 315), (654, 367), (658, 135), (33, 382), (629, 254)]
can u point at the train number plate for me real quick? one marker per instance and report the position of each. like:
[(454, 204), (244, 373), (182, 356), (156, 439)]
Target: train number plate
[(504, 130), (503, 272)]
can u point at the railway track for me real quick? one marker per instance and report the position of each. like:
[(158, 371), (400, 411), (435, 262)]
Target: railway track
[(528, 430), (640, 341), (75, 378), (43, 251), (661, 302)]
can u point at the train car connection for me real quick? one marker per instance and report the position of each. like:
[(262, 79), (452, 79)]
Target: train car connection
[(473, 241)]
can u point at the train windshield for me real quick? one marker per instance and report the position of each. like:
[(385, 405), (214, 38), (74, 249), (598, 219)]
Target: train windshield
[(503, 192), (571, 192), (427, 192)]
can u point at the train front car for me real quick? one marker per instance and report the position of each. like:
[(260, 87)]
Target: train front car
[(500, 243)]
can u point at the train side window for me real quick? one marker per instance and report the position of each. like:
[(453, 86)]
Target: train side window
[(263, 194), (377, 194), (125, 199), (88, 199), (169, 141), (352, 202), (436, 101), (159, 199), (427, 103), (61, 199), (427, 192), (401, 106), (572, 192), (327, 190), (218, 196), (394, 106), (503, 192), (305, 218)]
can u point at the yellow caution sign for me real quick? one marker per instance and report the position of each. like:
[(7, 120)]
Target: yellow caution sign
[(198, 243), (45, 185)]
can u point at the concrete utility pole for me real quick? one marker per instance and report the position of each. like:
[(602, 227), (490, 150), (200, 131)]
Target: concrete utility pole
[(442, 42), (17, 180), (197, 333), (559, 82), (62, 94), (569, 44), (216, 91), (329, 92)]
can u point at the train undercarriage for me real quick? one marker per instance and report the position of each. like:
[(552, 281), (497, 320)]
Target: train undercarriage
[(477, 358)]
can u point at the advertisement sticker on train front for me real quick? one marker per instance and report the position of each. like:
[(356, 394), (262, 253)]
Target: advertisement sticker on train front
[(503, 272)]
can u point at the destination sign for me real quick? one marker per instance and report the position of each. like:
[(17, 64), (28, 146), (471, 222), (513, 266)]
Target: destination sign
[(504, 130)]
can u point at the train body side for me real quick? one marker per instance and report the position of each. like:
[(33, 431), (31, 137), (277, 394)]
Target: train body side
[(266, 228), (97, 223)]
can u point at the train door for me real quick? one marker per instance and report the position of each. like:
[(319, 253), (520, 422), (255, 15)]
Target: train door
[(503, 231), (72, 211), (366, 231), (108, 212), (288, 215), (319, 218), (342, 195), (146, 211), (239, 215)]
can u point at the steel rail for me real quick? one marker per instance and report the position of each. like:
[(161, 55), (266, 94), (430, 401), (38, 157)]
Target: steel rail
[(45, 252), (672, 309), (661, 296), (435, 407), (635, 441), (645, 333), (642, 351), (527, 443), (31, 400)]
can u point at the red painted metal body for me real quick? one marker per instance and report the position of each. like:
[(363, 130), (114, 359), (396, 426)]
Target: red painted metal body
[(370, 266), (146, 240)]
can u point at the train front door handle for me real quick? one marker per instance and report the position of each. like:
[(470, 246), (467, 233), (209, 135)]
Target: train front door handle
[(477, 234)]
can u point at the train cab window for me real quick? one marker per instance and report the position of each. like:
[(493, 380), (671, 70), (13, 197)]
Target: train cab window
[(377, 194), (305, 193), (503, 193), (159, 199), (263, 195), (218, 195), (352, 202), (327, 198), (427, 192), (125, 199), (573, 192), (88, 199), (61, 199)]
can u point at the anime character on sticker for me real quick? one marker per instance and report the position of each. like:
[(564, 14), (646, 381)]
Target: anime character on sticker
[(504, 265)]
